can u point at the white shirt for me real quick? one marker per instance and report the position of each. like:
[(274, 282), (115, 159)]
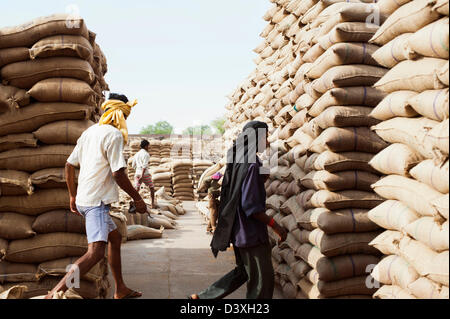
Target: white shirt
[(140, 161), (99, 153)]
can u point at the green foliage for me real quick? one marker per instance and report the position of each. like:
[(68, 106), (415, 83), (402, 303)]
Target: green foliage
[(218, 125), (198, 130), (161, 127)]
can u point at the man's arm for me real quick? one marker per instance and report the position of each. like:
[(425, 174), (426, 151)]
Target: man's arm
[(70, 181), (124, 183), (269, 221)]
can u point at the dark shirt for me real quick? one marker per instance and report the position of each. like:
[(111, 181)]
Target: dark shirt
[(248, 231)]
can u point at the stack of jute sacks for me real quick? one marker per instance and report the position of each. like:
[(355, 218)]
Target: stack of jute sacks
[(199, 167), (52, 74), (181, 149), (183, 188), (162, 178), (414, 46), (166, 147), (155, 152)]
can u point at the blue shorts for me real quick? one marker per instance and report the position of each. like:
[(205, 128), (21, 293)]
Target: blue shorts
[(98, 222)]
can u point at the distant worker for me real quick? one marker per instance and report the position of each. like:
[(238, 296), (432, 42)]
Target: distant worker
[(142, 175), (213, 195), (243, 221), (99, 154)]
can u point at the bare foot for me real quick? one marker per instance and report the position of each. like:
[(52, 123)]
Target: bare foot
[(50, 295), (127, 294), (194, 296)]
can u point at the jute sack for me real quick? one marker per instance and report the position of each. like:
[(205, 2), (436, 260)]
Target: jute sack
[(409, 18), (313, 53), (121, 222), (345, 116), (275, 201), (443, 75), (59, 221), (337, 162), (63, 45), (343, 287), (441, 205), (29, 33), (300, 268), (309, 253), (299, 137), (30, 118), (410, 192), (437, 138), (395, 104), (340, 221), (340, 54), (394, 270), (51, 178), (425, 288), (392, 292), (158, 221), (136, 232), (389, 6), (358, 180), (33, 159), (14, 183), (13, 272), (59, 267), (10, 142), (312, 129), (26, 74), (395, 51), (46, 247), (16, 226), (396, 159), (12, 98), (344, 199), (387, 242), (3, 248), (356, 95), (436, 176), (62, 132), (37, 203), (12, 55), (342, 267), (414, 75), (63, 90), (359, 139), (348, 75), (348, 32), (289, 222), (431, 232), (432, 104), (409, 131), (431, 40), (393, 215)]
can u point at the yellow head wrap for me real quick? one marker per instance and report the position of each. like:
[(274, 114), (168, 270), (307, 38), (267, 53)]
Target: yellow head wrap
[(115, 113)]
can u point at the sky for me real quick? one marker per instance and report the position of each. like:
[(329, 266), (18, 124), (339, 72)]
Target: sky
[(179, 58)]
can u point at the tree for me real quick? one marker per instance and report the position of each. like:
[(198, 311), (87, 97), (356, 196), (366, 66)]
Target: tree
[(198, 130), (218, 124), (161, 127)]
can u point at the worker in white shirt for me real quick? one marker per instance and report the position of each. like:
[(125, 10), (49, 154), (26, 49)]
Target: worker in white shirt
[(99, 154), (142, 175)]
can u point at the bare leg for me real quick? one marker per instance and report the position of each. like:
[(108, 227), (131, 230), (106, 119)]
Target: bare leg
[(96, 251)]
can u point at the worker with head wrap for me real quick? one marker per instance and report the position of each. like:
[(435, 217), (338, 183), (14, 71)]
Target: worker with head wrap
[(243, 221), (99, 154)]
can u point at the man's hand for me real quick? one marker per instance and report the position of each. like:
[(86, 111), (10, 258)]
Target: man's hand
[(73, 206), (280, 232), (141, 206)]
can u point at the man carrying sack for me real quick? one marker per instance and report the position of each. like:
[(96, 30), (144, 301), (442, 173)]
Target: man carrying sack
[(99, 154)]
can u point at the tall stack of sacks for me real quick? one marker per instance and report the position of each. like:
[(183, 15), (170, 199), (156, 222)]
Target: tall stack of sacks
[(181, 149), (162, 178), (183, 189), (155, 152), (166, 147), (48, 98), (414, 117), (198, 168)]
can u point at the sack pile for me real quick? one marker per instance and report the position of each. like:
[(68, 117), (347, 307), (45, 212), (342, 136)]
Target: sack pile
[(166, 147), (162, 178), (51, 91), (199, 167), (155, 152), (183, 188), (414, 114), (181, 149)]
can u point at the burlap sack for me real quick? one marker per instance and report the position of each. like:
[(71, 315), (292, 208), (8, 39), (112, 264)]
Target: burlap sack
[(409, 18), (63, 221), (158, 221), (348, 32), (313, 53), (343, 287), (3, 248), (10, 142), (39, 202), (432, 104), (299, 137), (346, 116), (51, 178), (443, 75), (431, 40), (393, 215), (395, 51), (16, 226), (410, 192), (136, 232), (289, 223), (431, 232), (425, 288), (348, 75), (344, 199), (337, 162), (31, 32), (12, 55), (33, 159), (300, 268), (436, 176), (389, 6), (394, 270), (63, 45), (437, 139), (62, 132), (46, 247), (418, 75), (342, 267), (13, 272), (392, 292), (396, 159), (359, 139), (395, 104), (14, 183), (387, 242), (364, 96), (441, 205), (12, 98), (63, 90), (120, 220), (358, 180), (28, 119)]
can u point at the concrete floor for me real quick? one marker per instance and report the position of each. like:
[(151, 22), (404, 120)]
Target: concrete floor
[(179, 264)]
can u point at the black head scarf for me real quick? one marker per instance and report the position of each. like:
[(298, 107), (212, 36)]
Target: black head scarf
[(239, 158)]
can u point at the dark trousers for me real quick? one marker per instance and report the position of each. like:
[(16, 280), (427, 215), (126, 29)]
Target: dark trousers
[(254, 267)]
